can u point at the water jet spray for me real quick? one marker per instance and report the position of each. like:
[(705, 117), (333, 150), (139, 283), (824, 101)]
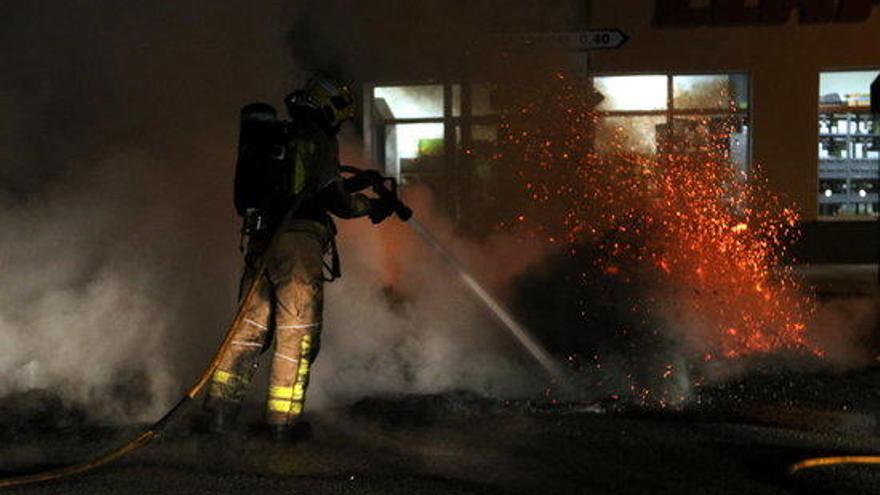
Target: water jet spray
[(522, 335), (386, 188)]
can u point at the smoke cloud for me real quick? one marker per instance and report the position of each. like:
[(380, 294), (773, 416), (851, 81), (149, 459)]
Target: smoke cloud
[(118, 253), (117, 143), (401, 321)]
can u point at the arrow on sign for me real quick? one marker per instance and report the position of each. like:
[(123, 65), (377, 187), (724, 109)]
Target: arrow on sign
[(601, 39)]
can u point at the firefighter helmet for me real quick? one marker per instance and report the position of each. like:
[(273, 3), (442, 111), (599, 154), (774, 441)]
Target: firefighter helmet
[(332, 99)]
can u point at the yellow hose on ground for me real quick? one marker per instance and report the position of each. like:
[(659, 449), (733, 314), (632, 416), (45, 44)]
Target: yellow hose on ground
[(816, 462), (156, 428)]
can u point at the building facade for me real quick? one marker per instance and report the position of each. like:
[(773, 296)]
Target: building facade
[(809, 66), (793, 76)]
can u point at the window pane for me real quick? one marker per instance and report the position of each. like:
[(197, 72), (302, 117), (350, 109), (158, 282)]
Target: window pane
[(848, 89), (849, 145), (632, 92), (414, 149), (480, 151), (485, 133), (637, 134), (739, 144), (711, 91), (456, 100), (410, 102), (711, 134), (481, 201), (481, 99)]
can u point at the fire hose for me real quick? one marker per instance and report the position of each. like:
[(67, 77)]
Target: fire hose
[(154, 430), (817, 462), (386, 189), (377, 182)]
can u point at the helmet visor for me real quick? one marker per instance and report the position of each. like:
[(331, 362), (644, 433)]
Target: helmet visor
[(340, 102)]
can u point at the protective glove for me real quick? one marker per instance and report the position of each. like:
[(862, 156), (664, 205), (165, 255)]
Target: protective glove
[(379, 210), (363, 180)]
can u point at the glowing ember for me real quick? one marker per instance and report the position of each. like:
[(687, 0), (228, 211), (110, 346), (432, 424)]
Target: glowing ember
[(712, 237)]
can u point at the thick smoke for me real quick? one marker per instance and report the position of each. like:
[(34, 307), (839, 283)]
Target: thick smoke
[(119, 242), (436, 335), (118, 143)]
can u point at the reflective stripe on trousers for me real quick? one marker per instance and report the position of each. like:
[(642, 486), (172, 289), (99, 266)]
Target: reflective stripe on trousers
[(290, 302)]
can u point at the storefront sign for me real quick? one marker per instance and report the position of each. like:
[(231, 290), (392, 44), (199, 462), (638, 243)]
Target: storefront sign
[(680, 13)]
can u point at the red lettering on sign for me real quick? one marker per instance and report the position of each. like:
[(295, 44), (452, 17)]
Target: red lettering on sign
[(732, 12), (816, 11), (679, 13), (853, 10), (775, 12)]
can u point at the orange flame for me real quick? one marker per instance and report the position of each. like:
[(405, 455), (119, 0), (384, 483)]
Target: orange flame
[(717, 238)]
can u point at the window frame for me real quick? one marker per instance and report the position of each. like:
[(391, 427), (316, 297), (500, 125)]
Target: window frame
[(816, 191), (449, 120), (670, 112), (457, 133)]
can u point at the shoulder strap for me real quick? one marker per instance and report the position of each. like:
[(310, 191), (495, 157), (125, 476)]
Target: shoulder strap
[(303, 153)]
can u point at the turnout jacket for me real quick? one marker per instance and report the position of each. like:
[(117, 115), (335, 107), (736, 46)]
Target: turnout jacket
[(319, 151)]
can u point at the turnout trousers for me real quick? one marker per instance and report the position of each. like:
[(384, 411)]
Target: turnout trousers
[(288, 305)]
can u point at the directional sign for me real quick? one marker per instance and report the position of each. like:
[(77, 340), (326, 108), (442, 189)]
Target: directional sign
[(591, 39), (600, 39)]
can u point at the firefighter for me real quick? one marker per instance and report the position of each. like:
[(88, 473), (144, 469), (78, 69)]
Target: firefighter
[(287, 307)]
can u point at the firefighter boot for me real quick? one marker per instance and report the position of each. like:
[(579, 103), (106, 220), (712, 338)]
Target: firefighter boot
[(222, 418), (296, 433)]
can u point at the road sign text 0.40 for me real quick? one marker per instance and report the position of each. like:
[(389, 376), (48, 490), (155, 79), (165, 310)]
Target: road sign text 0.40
[(600, 39), (596, 39), (590, 39)]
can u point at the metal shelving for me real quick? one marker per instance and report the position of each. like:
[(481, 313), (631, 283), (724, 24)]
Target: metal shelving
[(849, 161)]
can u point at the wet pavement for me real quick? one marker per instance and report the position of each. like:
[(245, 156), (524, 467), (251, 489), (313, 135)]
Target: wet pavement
[(735, 439)]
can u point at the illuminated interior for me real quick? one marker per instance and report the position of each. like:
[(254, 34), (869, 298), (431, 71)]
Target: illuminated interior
[(649, 113), (849, 146)]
